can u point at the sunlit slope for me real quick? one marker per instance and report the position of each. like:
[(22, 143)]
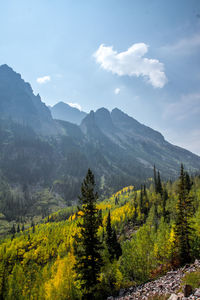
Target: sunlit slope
[(38, 263)]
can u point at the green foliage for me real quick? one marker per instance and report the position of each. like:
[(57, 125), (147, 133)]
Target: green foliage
[(192, 279), (138, 258), (88, 257), (184, 213), (112, 244), (40, 264)]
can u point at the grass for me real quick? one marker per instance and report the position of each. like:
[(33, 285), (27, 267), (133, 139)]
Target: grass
[(192, 279)]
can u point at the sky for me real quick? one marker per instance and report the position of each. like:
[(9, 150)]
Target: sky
[(142, 56)]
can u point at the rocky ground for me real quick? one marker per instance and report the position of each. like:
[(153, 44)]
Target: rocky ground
[(168, 285)]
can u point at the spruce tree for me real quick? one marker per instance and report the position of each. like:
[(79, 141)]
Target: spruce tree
[(164, 202), (109, 236), (183, 221), (33, 226), (141, 200), (18, 228), (13, 230), (88, 246), (112, 244), (155, 178), (159, 185)]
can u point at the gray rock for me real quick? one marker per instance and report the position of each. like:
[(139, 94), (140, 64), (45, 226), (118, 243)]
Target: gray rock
[(197, 292), (173, 297), (122, 292)]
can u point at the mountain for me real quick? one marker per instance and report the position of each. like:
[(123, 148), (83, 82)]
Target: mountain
[(134, 147), (63, 111), (39, 152), (18, 103)]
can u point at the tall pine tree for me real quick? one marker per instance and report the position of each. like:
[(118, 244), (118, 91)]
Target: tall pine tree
[(88, 245), (114, 247), (183, 221)]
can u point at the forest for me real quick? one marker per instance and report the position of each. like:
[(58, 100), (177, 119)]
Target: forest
[(138, 235)]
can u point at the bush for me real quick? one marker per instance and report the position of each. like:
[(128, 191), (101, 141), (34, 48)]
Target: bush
[(192, 279)]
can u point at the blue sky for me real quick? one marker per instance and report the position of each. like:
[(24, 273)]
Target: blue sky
[(142, 56)]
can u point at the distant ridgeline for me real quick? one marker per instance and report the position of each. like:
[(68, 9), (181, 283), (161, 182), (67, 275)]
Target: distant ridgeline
[(43, 160)]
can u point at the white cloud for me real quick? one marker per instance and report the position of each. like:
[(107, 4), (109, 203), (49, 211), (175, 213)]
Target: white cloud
[(188, 106), (43, 79), (76, 105), (132, 63), (117, 91)]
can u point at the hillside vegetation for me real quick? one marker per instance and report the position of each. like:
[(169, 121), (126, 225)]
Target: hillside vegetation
[(38, 263)]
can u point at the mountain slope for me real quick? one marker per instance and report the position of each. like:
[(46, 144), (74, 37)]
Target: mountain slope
[(63, 111), (134, 146), (18, 103), (37, 150)]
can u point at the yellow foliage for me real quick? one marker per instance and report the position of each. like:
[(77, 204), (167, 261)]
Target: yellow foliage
[(62, 282)]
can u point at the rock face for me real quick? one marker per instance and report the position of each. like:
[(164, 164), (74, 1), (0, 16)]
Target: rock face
[(168, 285), (18, 103), (124, 140), (120, 150), (63, 111)]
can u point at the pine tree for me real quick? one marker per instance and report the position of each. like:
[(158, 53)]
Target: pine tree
[(159, 185), (116, 245), (109, 236), (88, 245), (157, 182), (155, 178), (18, 228), (164, 202), (188, 182), (141, 200), (13, 231), (112, 244), (183, 221), (33, 226)]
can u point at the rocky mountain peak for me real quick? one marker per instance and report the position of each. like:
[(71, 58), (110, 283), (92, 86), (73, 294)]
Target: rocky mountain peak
[(18, 103), (65, 112), (103, 119)]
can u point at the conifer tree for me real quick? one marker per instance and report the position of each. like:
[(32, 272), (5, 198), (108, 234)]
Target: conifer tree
[(13, 230), (116, 245), (157, 182), (155, 178), (164, 198), (141, 200), (18, 228), (159, 185), (112, 244), (88, 246), (109, 236), (33, 226), (183, 221)]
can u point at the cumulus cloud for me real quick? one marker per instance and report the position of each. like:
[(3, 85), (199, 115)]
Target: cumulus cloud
[(117, 91), (132, 63), (75, 105), (43, 79)]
